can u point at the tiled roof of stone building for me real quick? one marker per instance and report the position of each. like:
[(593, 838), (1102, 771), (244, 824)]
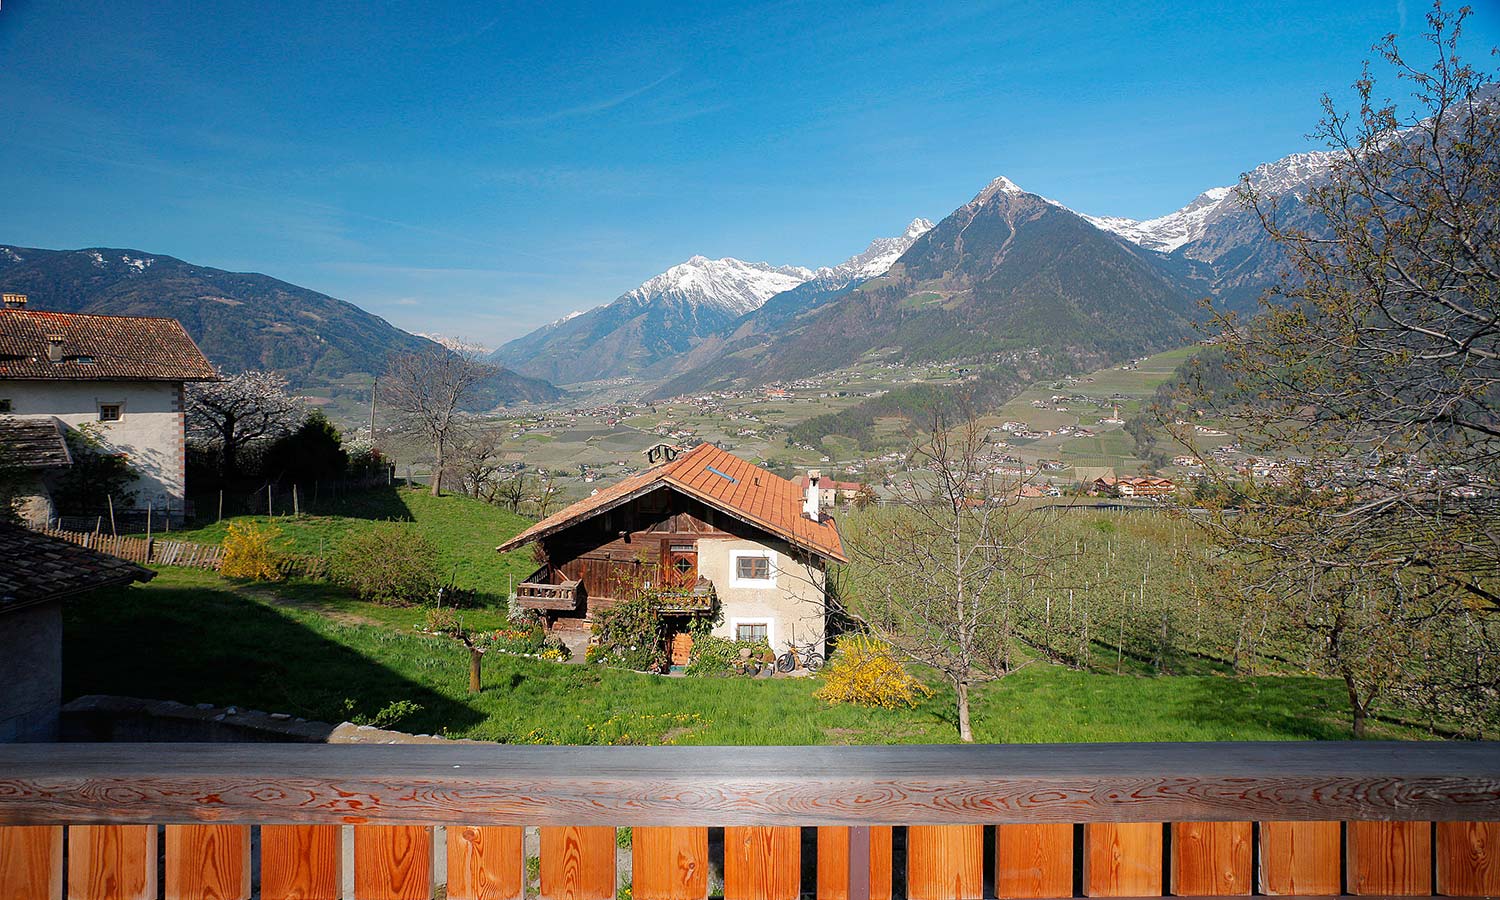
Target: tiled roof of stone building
[(69, 346)]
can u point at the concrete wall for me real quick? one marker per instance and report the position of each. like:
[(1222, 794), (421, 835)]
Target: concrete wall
[(31, 673), (793, 606), (149, 433)]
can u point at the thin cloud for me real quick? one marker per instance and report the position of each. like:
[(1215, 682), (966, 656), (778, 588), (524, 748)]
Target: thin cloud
[(589, 109)]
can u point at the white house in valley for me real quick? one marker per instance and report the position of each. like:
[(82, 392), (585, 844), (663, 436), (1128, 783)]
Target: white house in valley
[(122, 376)]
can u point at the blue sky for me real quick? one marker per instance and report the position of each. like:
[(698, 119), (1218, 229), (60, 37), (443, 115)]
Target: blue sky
[(479, 168)]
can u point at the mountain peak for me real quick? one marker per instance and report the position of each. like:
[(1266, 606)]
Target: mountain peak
[(1000, 185), (917, 228)]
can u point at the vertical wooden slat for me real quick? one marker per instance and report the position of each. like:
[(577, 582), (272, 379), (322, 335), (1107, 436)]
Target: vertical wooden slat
[(1389, 858), (1122, 859), (762, 863), (208, 862), (578, 863), (669, 863), (833, 863), (31, 860), (1033, 861), (301, 862), (1212, 859), (392, 862), (1300, 859), (1468, 859), (945, 862), (112, 862), (485, 863)]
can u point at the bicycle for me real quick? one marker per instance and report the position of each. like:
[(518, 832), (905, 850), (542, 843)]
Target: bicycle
[(805, 654)]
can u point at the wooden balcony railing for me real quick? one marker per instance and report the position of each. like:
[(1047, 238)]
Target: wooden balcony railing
[(1120, 820), (547, 589)]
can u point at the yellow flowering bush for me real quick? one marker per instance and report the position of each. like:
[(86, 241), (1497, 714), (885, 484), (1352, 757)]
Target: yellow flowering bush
[(250, 552), (867, 671)]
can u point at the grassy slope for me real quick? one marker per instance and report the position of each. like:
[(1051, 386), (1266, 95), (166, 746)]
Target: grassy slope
[(191, 636), (464, 531)]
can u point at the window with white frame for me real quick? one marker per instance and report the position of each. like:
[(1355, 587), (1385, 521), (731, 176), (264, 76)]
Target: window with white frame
[(111, 412), (752, 569), (752, 632)]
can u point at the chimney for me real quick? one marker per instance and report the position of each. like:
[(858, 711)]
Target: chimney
[(810, 505), (13, 301), (55, 347)]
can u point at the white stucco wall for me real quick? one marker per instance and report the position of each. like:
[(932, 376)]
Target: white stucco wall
[(792, 607), (149, 433)]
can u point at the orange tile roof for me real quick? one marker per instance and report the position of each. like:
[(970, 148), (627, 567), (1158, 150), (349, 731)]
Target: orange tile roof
[(721, 480), (99, 348)]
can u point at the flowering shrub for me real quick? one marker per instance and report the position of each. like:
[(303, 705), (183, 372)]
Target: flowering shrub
[(554, 650), (517, 638), (250, 552), (867, 672), (712, 655), (629, 636)]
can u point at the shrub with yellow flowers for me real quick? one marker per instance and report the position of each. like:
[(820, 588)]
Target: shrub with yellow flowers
[(867, 671), (250, 551)]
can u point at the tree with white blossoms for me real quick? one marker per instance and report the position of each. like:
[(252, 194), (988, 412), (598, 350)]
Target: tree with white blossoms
[(239, 409)]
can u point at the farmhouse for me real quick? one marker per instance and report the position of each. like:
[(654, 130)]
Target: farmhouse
[(1135, 486), (707, 532), (831, 493), (121, 375)]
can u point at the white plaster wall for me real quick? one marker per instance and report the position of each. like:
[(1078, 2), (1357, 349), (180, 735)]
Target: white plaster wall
[(150, 432), (794, 606)]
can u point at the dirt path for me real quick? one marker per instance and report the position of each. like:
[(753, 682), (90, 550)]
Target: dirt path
[(269, 597)]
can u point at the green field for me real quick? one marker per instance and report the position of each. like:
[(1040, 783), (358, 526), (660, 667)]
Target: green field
[(192, 637), (308, 649)]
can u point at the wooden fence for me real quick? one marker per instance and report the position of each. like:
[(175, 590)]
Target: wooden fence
[(141, 550), (929, 823)]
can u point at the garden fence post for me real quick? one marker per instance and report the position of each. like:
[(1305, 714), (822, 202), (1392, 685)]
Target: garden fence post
[(109, 498)]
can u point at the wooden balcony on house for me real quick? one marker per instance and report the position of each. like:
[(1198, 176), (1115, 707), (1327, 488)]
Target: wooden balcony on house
[(691, 600), (549, 589), (1141, 820)]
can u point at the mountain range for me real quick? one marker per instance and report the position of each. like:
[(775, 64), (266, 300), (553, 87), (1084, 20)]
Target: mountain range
[(240, 320), (1008, 269)]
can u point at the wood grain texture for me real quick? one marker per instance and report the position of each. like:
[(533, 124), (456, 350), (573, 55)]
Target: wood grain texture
[(578, 863), (669, 863), (392, 862), (1212, 859), (301, 862), (208, 862), (1122, 859), (112, 862), (833, 862), (614, 786), (1388, 858), (945, 862), (485, 863), (31, 860), (1033, 861), (762, 863), (1468, 859), (1301, 859)]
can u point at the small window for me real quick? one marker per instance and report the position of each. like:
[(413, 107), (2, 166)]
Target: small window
[(5, 405), (752, 568), (751, 632), (109, 412)]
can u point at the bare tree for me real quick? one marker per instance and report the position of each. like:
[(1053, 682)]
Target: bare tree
[(947, 574), (476, 462), (428, 390), (1373, 374), (239, 409), (512, 492)]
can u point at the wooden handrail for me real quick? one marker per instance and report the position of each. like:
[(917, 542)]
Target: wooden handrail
[(710, 786)]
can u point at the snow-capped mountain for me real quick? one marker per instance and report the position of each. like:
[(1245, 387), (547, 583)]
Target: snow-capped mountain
[(827, 283), (664, 316), (876, 259), (457, 345), (728, 284), (1288, 178)]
